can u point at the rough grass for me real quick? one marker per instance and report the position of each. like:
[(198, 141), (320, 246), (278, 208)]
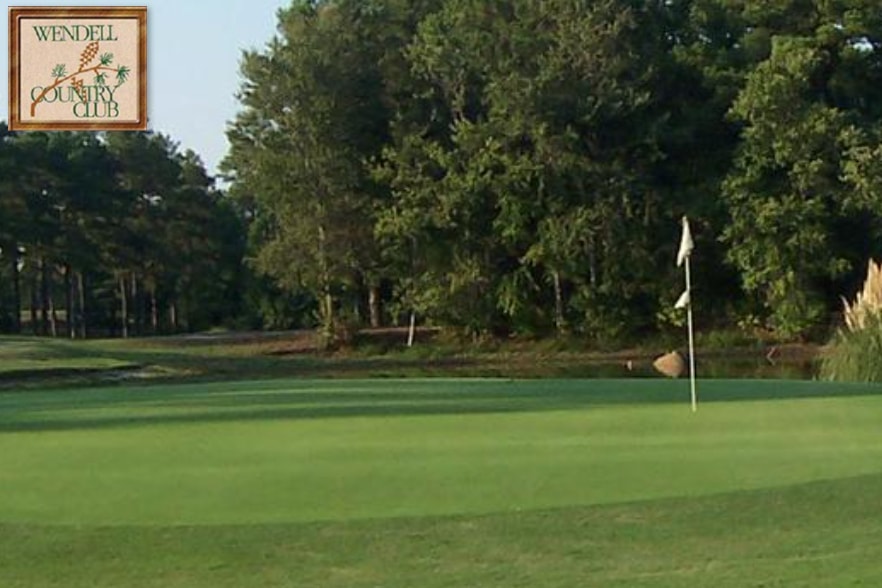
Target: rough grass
[(442, 483)]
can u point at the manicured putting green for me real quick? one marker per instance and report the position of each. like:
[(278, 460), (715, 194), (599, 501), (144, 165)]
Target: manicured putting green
[(340, 450)]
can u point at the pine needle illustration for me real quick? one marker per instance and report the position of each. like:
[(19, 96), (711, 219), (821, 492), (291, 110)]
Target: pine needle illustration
[(88, 54), (59, 71), (106, 58), (122, 74)]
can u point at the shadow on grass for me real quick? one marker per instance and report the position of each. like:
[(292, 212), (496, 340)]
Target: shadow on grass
[(298, 399)]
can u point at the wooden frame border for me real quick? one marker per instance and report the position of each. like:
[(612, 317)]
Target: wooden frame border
[(16, 13)]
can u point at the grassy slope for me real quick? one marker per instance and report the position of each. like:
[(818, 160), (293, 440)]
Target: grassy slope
[(23, 356), (441, 483), (823, 534)]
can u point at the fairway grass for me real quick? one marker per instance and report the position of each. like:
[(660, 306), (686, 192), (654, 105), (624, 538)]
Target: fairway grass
[(821, 534), (442, 483)]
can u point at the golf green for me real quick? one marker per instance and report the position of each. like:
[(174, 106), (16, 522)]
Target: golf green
[(340, 450)]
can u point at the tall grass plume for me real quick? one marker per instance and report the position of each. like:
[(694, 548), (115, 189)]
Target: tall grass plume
[(855, 354)]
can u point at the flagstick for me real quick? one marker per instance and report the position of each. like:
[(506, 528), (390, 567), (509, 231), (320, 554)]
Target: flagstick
[(691, 338)]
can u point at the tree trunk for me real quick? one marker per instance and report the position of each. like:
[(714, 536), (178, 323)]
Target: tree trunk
[(376, 309), (44, 298), (124, 306), (327, 306), (328, 312), (183, 315), (154, 311), (50, 297), (411, 330), (53, 314), (16, 291), (173, 316), (84, 324), (35, 323), (70, 323), (592, 264), (559, 321), (137, 310)]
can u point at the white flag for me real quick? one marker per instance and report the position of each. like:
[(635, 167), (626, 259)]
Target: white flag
[(683, 301), (685, 244)]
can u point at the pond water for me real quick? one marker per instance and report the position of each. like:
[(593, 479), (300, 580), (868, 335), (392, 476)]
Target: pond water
[(711, 367)]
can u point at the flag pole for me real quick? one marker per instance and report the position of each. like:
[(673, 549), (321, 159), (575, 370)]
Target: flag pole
[(691, 337), (684, 255)]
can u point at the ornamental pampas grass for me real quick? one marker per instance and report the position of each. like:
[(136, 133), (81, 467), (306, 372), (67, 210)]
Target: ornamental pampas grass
[(855, 354), (868, 301)]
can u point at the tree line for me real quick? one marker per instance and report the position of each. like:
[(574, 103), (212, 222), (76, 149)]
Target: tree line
[(112, 234), (521, 166), (505, 167)]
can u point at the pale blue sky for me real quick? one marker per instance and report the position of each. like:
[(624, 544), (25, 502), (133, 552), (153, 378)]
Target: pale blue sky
[(193, 51)]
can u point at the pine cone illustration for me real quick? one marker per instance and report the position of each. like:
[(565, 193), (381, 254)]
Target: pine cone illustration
[(88, 54), (77, 86)]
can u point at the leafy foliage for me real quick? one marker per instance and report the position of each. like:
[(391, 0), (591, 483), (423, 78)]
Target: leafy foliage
[(521, 166), (802, 120), (528, 184), (314, 115)]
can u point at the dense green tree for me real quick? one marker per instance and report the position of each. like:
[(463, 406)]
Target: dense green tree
[(12, 209), (531, 169), (147, 176), (95, 227), (204, 241), (316, 110), (795, 213), (83, 200)]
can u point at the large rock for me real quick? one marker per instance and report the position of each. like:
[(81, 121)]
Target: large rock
[(670, 364)]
